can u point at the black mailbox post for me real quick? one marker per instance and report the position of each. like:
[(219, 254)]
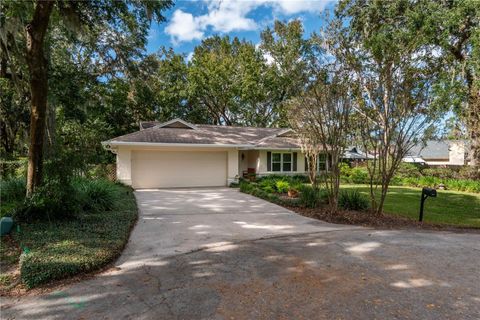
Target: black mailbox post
[(426, 192)]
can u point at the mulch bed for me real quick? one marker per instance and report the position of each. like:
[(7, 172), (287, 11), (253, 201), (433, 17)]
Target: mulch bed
[(376, 221)]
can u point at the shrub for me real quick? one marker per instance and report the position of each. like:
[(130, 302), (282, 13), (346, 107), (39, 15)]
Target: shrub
[(246, 187), (353, 200), (299, 179), (359, 175), (408, 170), (469, 172), (13, 168), (268, 189), (345, 169), (310, 197), (12, 189), (282, 186), (443, 173), (267, 185), (61, 249), (96, 195), (53, 200)]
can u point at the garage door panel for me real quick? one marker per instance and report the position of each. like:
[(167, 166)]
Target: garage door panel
[(154, 169)]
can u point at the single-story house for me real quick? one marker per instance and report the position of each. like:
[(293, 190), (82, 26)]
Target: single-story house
[(180, 154), (439, 153)]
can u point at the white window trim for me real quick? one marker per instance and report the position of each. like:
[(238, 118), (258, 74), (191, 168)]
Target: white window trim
[(281, 162)]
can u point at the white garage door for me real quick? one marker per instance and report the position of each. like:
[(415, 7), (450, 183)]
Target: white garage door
[(166, 169)]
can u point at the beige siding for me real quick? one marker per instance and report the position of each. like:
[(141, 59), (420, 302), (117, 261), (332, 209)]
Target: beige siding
[(232, 166), (164, 169), (124, 166)]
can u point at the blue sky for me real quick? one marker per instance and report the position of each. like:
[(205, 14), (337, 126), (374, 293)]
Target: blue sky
[(188, 22)]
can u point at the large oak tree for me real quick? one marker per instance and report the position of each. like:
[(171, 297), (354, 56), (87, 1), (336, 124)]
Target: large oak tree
[(110, 31)]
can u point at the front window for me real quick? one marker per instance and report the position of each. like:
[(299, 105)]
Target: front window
[(322, 162), (282, 162), (276, 162)]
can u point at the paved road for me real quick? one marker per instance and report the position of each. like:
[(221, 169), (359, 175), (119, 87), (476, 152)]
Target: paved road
[(220, 254)]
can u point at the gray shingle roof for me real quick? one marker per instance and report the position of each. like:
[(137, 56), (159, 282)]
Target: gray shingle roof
[(431, 150), (209, 134)]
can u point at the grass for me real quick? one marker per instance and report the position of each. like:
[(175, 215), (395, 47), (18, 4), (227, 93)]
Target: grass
[(450, 207), (60, 249)]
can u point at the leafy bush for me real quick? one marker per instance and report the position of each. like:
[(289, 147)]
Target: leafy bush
[(66, 248), (269, 195), (408, 170), (359, 175), (469, 173), (53, 200), (96, 195), (310, 197), (13, 168), (12, 189), (282, 186), (268, 189), (345, 169), (267, 185), (299, 179), (246, 187), (353, 200), (443, 173)]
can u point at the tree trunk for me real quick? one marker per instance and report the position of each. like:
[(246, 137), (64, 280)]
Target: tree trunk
[(37, 65), (473, 119)]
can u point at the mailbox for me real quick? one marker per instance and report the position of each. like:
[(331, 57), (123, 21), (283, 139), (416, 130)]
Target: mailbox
[(429, 192), (426, 192)]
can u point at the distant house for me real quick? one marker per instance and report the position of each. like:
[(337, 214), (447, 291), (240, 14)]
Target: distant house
[(354, 156), (439, 153)]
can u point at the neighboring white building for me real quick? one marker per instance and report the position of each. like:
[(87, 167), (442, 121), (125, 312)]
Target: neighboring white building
[(440, 153)]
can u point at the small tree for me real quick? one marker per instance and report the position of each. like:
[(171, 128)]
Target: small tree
[(390, 73), (321, 118)]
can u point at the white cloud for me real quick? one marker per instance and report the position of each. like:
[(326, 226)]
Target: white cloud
[(226, 16), (183, 27), (297, 6), (231, 15)]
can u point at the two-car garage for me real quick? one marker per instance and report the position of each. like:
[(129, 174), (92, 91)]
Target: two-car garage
[(169, 169)]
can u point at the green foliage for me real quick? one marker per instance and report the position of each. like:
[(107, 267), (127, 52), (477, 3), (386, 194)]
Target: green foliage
[(267, 184), (267, 192), (353, 200), (311, 197), (282, 186), (12, 190), (246, 187), (345, 169), (13, 168), (408, 170), (433, 182), (97, 195), (59, 250), (359, 175), (354, 175), (53, 200)]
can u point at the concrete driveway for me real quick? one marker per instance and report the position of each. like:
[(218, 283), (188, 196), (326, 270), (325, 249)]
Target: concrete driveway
[(221, 254)]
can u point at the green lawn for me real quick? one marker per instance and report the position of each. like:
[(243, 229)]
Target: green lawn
[(450, 207)]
